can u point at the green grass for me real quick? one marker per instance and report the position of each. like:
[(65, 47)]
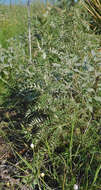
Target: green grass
[(53, 105), (13, 22)]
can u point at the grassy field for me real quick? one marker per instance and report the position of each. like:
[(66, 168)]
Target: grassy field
[(50, 108), (13, 21)]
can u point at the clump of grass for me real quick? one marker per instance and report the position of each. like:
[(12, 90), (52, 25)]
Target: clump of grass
[(94, 8)]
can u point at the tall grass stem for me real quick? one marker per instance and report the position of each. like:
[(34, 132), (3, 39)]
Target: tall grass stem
[(29, 30)]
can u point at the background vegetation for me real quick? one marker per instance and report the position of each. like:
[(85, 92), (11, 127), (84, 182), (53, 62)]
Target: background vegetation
[(50, 108)]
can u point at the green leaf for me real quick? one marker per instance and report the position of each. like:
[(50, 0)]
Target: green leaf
[(90, 107), (96, 174), (97, 98)]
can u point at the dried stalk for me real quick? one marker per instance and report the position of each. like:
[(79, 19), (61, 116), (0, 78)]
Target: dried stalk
[(29, 31)]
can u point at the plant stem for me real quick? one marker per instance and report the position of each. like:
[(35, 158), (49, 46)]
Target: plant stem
[(29, 31)]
